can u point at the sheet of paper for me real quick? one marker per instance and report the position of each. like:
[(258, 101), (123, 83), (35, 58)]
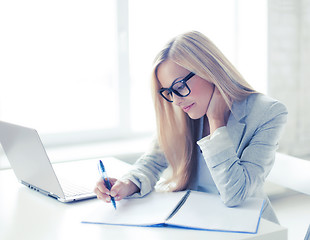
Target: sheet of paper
[(149, 210), (206, 211)]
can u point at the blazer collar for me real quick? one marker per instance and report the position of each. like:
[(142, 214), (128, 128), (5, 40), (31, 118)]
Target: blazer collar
[(238, 110), (235, 125)]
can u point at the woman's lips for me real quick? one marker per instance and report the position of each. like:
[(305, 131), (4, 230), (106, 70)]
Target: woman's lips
[(187, 108)]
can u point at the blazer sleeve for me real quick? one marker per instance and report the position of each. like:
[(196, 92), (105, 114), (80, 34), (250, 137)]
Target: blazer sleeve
[(236, 177), (147, 170)]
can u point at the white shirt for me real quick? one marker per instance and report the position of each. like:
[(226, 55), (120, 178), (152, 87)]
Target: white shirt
[(204, 181)]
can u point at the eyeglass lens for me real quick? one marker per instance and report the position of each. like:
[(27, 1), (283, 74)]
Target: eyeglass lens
[(179, 88)]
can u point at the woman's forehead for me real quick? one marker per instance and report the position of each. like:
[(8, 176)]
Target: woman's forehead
[(168, 72)]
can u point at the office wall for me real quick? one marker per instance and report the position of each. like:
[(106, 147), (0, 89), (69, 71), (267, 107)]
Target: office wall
[(289, 71)]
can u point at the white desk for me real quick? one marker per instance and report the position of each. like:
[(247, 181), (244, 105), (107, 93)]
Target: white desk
[(26, 214)]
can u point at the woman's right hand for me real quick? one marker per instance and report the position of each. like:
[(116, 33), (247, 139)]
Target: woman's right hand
[(218, 111), (119, 190)]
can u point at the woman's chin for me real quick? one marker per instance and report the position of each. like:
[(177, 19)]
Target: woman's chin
[(195, 116)]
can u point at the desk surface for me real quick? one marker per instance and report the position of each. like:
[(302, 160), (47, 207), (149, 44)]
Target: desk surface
[(26, 214)]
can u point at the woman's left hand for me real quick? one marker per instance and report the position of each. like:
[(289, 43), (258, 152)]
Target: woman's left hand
[(217, 111)]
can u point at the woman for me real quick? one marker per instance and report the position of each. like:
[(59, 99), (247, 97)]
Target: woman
[(213, 129)]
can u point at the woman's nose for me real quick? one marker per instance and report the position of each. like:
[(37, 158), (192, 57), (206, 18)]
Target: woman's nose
[(177, 100)]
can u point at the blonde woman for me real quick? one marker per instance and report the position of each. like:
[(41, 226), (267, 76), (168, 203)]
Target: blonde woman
[(213, 129)]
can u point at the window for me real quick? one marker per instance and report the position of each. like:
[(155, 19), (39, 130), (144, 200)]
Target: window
[(59, 66), (79, 71)]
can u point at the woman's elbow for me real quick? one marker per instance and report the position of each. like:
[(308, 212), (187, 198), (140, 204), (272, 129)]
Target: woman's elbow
[(235, 200)]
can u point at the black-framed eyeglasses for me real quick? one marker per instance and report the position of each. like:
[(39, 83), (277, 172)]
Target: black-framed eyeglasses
[(179, 88)]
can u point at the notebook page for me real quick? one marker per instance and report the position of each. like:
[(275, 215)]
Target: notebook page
[(149, 210), (206, 211)]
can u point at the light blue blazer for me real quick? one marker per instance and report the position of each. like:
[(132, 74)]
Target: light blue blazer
[(239, 157)]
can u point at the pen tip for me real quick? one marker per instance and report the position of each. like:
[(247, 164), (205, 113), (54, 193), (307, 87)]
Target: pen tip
[(114, 204)]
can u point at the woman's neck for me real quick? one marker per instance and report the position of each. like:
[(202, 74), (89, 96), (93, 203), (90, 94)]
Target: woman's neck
[(206, 127)]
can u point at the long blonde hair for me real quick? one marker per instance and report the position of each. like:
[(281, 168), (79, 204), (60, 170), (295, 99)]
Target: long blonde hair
[(175, 130)]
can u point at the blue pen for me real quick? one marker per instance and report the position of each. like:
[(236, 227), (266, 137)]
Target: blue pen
[(105, 179)]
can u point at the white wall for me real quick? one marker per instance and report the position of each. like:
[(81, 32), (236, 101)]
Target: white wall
[(289, 69)]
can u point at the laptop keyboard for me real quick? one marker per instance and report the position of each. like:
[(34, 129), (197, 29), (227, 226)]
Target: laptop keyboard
[(71, 189)]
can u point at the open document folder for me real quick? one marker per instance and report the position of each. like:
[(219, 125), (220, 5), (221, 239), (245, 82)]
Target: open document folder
[(186, 209)]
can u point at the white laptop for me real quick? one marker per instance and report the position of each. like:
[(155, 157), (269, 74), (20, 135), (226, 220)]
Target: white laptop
[(32, 167)]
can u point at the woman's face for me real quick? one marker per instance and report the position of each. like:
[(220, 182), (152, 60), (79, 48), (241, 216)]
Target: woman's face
[(197, 102)]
